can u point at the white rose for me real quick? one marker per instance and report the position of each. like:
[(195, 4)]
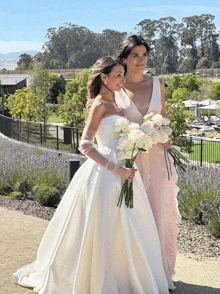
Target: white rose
[(147, 127), (133, 127), (163, 137), (166, 129), (157, 119), (121, 124), (136, 136), (148, 116), (125, 143), (155, 135), (148, 142), (166, 121)]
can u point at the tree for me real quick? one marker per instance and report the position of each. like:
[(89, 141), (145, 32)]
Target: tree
[(56, 88), (173, 84), (23, 104), (215, 93), (199, 32), (191, 82), (74, 101), (187, 65), (162, 37), (215, 64), (24, 61), (40, 78), (176, 111), (203, 63)]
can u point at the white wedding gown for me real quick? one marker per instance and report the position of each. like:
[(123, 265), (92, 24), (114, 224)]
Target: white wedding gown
[(91, 246)]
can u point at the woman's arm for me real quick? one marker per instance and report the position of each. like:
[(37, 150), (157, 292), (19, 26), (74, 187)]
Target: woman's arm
[(162, 94), (166, 145)]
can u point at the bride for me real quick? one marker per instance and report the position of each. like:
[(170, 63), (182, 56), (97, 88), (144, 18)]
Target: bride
[(91, 246)]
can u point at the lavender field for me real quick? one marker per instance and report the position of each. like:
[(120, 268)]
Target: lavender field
[(20, 163), (199, 195)]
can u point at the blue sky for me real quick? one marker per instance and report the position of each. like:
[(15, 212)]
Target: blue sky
[(24, 23)]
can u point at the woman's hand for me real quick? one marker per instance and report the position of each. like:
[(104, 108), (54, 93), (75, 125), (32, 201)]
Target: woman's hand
[(125, 173), (89, 104), (168, 145)]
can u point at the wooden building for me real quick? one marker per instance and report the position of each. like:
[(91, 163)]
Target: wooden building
[(10, 83)]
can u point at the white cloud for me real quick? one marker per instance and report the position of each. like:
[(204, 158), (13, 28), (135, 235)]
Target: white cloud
[(17, 46)]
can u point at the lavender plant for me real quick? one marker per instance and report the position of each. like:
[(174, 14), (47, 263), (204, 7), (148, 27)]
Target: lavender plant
[(25, 167), (199, 196)]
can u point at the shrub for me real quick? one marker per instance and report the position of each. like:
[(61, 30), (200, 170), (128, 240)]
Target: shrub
[(24, 167), (24, 187), (214, 226), (16, 195), (47, 196), (199, 194)]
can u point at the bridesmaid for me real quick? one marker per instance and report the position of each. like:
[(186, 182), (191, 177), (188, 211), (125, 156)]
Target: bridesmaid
[(141, 95)]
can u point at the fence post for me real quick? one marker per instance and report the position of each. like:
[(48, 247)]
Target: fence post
[(73, 167), (41, 134), (201, 153), (77, 140), (18, 129), (57, 138), (27, 132)]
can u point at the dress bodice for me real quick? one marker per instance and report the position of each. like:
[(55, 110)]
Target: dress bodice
[(106, 135), (129, 108)]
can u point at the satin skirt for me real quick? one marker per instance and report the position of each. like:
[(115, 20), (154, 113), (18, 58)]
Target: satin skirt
[(91, 246)]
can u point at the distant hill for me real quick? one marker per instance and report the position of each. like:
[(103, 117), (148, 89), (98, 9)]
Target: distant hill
[(16, 55), (9, 64)]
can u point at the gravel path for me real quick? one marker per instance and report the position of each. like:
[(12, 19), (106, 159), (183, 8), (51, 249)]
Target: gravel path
[(20, 236), (193, 239)]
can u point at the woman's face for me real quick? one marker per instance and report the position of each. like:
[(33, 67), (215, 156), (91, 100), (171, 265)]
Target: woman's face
[(115, 79), (137, 59)]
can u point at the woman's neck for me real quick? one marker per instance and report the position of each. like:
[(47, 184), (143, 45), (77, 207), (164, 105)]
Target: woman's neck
[(134, 77), (105, 93)]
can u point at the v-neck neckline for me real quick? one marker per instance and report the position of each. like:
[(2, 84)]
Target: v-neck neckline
[(134, 103)]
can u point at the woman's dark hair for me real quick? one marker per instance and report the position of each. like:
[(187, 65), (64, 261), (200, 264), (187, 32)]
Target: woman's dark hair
[(128, 44), (102, 65)]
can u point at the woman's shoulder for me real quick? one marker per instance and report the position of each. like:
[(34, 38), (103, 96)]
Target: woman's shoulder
[(100, 104)]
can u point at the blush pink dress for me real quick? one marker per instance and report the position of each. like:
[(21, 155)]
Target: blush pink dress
[(162, 193)]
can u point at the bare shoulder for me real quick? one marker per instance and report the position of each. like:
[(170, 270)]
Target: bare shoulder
[(99, 105), (148, 78), (162, 85)]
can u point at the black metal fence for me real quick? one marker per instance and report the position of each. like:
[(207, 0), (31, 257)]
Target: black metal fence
[(199, 151), (48, 135)]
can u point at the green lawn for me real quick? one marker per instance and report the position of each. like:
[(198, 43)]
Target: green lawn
[(210, 151), (20, 132), (56, 119)]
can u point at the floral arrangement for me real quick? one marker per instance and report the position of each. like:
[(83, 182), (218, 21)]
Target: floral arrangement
[(162, 125), (134, 139)]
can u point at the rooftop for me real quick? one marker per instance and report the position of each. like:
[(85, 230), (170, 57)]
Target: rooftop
[(9, 80)]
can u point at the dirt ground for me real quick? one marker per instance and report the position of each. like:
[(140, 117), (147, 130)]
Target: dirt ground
[(20, 236)]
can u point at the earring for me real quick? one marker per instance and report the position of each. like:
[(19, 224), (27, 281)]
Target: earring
[(105, 82)]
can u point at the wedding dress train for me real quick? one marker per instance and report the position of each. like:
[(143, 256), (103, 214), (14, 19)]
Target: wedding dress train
[(91, 246)]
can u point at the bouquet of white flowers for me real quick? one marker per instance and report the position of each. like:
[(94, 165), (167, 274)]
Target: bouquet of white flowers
[(133, 140), (161, 124)]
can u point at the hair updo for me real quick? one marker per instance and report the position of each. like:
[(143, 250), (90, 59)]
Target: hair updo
[(102, 65), (128, 44)]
